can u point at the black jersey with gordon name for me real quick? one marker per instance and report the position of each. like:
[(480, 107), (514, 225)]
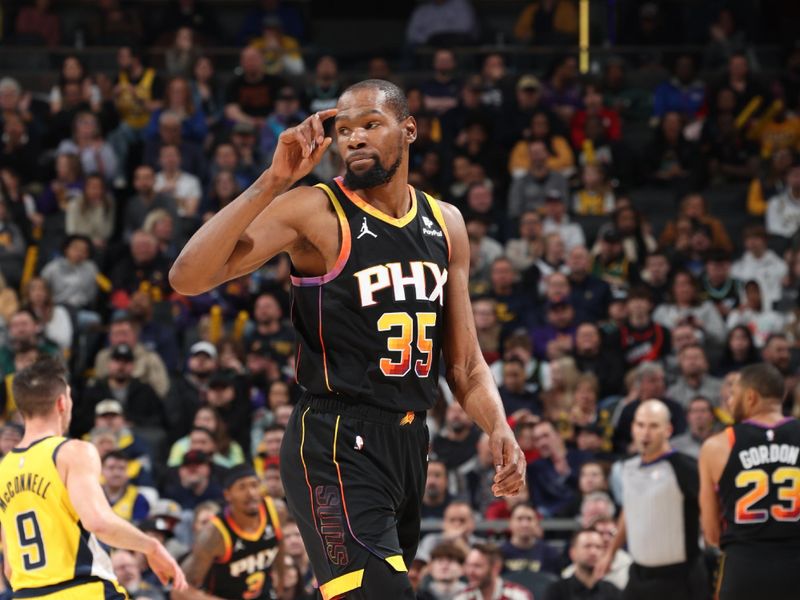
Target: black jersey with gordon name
[(760, 486), (370, 330), (244, 570)]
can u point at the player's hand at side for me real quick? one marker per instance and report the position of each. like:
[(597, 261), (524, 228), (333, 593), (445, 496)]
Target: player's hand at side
[(166, 568), (509, 461), (300, 148)]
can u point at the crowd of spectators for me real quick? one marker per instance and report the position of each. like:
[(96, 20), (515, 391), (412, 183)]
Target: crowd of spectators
[(600, 272)]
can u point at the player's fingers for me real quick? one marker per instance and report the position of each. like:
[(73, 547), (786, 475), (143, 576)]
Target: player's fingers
[(320, 149), (305, 143), (179, 582), (319, 132), (327, 114)]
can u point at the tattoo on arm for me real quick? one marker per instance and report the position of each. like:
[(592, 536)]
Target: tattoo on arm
[(208, 546)]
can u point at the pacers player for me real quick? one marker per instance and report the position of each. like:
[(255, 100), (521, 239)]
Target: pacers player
[(379, 288), (233, 554), (53, 509), (750, 492)]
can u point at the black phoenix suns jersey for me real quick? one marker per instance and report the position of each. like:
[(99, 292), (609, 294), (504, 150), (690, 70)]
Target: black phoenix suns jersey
[(371, 328), (243, 571), (760, 485)]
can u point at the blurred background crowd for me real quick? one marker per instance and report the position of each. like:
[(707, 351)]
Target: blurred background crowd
[(633, 235)]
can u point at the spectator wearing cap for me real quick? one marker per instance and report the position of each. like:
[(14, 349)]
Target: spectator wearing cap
[(287, 113), (482, 568), (125, 499), (268, 327), (226, 452), (128, 572), (250, 162), (531, 189), (610, 262), (145, 200), (641, 339), (517, 116), (147, 365), (761, 264), (556, 220), (556, 337), (717, 285), (230, 400), (171, 521), (525, 550), (585, 550), (140, 403), (188, 390), (250, 95), (109, 417), (702, 424), (553, 478), (194, 483)]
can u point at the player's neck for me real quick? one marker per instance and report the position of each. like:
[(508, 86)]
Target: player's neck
[(768, 415), (391, 198), (37, 428)]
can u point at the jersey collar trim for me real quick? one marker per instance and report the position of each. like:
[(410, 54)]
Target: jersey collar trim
[(378, 214), (32, 444)]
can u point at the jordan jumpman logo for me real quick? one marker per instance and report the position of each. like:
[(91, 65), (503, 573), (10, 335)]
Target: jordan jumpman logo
[(365, 230)]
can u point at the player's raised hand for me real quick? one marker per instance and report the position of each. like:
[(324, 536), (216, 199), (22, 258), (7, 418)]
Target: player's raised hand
[(509, 461), (300, 148), (166, 568)]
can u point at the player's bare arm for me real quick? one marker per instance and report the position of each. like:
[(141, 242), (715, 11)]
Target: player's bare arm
[(604, 563), (78, 464), (713, 456), (208, 546), (6, 565), (467, 371), (263, 220)]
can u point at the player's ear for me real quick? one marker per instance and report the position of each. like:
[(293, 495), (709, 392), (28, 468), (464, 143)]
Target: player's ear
[(410, 128)]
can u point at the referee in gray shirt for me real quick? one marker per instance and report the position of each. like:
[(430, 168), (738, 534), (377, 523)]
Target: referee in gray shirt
[(660, 519)]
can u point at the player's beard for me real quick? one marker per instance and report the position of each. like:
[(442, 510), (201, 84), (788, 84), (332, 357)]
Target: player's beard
[(373, 177)]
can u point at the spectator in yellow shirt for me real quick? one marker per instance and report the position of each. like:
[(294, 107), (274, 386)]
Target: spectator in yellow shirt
[(547, 20), (281, 53)]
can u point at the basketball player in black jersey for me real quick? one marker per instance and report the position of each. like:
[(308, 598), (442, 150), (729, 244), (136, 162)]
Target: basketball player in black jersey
[(379, 281), (233, 554), (750, 492)]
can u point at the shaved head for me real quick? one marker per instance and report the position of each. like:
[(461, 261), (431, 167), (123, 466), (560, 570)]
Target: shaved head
[(653, 410), (651, 430)]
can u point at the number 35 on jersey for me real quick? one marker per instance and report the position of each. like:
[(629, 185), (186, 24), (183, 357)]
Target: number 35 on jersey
[(412, 329)]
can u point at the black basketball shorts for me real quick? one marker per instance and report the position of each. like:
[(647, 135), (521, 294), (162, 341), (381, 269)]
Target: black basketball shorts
[(354, 475), (771, 573)]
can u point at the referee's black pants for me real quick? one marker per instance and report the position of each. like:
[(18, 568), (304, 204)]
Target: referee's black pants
[(681, 581)]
